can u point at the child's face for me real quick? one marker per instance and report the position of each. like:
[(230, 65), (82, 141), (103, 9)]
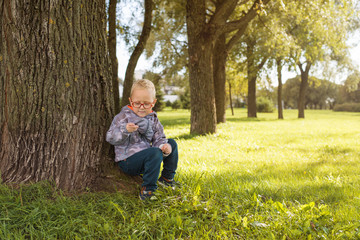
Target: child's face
[(142, 101)]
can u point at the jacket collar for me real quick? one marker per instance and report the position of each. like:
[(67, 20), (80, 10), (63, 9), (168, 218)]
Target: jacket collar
[(132, 110)]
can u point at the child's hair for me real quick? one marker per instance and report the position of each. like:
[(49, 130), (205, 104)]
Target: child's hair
[(145, 84)]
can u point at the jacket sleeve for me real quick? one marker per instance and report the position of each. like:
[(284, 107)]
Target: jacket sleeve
[(159, 137), (117, 133)]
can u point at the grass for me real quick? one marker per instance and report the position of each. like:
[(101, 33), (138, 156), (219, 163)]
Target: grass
[(254, 179)]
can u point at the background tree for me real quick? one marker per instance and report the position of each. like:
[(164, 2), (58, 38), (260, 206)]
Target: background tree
[(129, 74), (349, 92), (112, 52), (280, 45), (320, 30), (224, 45), (252, 54), (237, 81), (55, 87), (168, 38), (203, 30), (321, 93)]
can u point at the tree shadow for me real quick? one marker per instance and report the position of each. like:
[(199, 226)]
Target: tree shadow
[(175, 121), (247, 119), (186, 136)]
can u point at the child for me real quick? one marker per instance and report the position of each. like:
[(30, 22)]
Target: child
[(140, 142)]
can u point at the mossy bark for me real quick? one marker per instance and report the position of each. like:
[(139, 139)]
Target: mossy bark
[(56, 102)]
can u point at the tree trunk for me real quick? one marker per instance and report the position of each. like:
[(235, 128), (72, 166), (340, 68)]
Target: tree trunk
[(112, 53), (231, 103), (219, 62), (303, 87), (252, 75), (279, 68), (252, 96), (130, 69), (55, 79), (200, 41)]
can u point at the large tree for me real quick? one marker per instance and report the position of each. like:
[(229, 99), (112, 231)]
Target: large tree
[(203, 31), (224, 45), (55, 103)]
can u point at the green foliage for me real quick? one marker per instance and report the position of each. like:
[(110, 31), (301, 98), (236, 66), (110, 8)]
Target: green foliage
[(320, 93), (185, 99), (264, 105), (168, 103), (288, 179), (176, 104), (350, 91), (168, 37), (347, 107)]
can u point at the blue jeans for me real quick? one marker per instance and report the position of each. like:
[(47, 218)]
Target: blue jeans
[(148, 162)]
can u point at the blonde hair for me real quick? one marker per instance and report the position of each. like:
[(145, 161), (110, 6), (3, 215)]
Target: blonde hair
[(145, 84)]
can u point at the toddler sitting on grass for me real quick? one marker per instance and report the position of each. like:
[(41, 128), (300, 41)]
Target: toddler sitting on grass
[(140, 142)]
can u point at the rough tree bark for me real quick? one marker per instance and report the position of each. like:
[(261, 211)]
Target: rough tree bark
[(112, 53), (252, 75), (130, 69), (203, 115), (219, 62), (202, 34), (303, 87), (55, 83), (279, 98)]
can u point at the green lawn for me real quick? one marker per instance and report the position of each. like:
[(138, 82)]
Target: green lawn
[(255, 179)]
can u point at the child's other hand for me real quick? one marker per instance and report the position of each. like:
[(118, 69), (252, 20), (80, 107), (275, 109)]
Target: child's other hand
[(131, 127), (166, 149)]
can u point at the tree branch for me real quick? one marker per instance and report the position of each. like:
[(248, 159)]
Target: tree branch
[(261, 64), (243, 21), (223, 11)]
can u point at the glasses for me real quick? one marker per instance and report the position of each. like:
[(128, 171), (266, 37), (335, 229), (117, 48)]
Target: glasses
[(146, 105)]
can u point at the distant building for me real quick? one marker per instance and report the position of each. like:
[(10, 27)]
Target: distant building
[(171, 98), (171, 90)]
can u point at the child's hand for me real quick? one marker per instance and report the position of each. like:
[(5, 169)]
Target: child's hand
[(166, 149), (131, 127)]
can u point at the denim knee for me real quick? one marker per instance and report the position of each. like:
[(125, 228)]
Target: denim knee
[(155, 153), (173, 143)]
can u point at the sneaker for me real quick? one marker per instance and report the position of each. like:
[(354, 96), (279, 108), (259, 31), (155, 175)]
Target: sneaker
[(167, 182), (145, 194)]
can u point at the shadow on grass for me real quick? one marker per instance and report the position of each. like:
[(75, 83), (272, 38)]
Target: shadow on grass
[(172, 122), (186, 136), (246, 119)]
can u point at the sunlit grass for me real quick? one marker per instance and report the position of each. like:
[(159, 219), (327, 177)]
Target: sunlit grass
[(254, 179)]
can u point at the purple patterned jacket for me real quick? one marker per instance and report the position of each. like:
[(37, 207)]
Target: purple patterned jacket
[(149, 134)]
